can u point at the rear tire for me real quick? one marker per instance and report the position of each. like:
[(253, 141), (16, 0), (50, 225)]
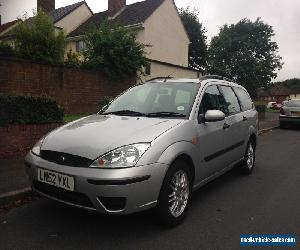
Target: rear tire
[(249, 159), (175, 194)]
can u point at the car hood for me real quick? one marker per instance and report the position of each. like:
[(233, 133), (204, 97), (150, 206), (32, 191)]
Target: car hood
[(95, 135)]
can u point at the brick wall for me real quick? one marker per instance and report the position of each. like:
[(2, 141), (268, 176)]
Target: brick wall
[(19, 139), (78, 91)]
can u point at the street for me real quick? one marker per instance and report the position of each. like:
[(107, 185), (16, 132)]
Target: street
[(266, 202)]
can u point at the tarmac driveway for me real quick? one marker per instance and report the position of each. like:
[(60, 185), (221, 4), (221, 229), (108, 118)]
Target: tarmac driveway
[(265, 202)]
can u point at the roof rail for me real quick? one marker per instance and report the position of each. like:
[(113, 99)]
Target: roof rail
[(214, 77)]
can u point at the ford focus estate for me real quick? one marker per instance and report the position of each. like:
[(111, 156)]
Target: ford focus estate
[(150, 147)]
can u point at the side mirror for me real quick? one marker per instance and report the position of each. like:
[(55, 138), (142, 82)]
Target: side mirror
[(214, 116)]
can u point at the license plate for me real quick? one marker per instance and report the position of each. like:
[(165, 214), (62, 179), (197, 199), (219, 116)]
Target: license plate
[(296, 113), (56, 179)]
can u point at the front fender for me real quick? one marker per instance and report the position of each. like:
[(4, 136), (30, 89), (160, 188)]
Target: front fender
[(178, 149)]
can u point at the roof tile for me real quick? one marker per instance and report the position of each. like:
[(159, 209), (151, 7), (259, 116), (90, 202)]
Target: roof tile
[(132, 14)]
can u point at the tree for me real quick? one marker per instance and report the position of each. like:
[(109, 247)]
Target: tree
[(38, 40), (6, 49), (114, 51), (73, 59), (245, 53), (196, 32)]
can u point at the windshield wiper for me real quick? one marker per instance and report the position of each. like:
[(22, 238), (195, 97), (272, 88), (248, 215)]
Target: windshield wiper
[(165, 114), (124, 112)]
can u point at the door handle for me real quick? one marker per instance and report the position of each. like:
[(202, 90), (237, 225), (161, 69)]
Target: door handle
[(225, 126), (245, 118)]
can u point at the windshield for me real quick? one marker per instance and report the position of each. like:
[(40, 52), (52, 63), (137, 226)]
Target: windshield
[(292, 103), (155, 99)]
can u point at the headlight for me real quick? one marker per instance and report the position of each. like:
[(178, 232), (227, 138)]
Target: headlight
[(37, 147), (126, 156)]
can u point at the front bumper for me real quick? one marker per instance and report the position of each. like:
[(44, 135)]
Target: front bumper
[(137, 187), (293, 120)]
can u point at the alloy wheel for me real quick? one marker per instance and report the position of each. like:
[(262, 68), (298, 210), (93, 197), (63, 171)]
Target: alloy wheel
[(179, 193)]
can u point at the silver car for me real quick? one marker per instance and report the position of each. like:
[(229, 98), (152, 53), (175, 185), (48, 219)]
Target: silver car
[(150, 147), (290, 113)]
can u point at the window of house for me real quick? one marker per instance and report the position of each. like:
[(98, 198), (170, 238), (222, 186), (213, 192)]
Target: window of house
[(232, 105), (148, 69), (80, 45)]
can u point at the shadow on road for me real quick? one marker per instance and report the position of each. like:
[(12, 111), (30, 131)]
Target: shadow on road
[(140, 224)]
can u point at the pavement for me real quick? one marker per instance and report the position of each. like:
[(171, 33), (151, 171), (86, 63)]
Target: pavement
[(265, 202), (271, 120), (14, 183)]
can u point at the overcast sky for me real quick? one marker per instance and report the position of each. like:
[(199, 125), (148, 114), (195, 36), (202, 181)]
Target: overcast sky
[(283, 15)]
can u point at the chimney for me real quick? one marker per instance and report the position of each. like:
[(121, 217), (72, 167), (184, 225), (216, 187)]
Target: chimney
[(114, 6), (46, 5)]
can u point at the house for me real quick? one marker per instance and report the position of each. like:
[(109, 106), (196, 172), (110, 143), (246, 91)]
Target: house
[(276, 93), (156, 22), (67, 18)]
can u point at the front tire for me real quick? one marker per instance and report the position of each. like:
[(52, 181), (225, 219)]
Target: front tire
[(249, 158), (175, 194)]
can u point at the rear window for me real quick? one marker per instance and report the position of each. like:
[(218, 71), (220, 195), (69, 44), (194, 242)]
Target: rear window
[(244, 98), (293, 103)]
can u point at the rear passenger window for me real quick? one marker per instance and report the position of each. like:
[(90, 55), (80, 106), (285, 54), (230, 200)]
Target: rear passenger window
[(232, 105), (244, 98)]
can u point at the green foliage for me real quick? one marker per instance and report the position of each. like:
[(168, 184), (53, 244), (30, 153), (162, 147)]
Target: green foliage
[(292, 84), (6, 50), (38, 40), (261, 108), (73, 59), (198, 47), (245, 53), (105, 101), (19, 109), (114, 51)]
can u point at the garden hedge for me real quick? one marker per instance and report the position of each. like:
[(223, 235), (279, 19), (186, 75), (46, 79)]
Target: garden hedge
[(24, 109)]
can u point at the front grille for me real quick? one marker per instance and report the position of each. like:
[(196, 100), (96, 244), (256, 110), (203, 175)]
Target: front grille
[(64, 195), (65, 159)]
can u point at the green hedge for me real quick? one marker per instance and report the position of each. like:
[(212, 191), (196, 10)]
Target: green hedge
[(20, 109), (261, 108)]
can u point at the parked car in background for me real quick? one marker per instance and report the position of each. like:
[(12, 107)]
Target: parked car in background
[(274, 105), (290, 113), (150, 147), (270, 104)]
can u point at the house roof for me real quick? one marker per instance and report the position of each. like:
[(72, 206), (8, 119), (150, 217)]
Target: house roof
[(56, 15), (60, 13), (275, 90), (135, 13), (93, 21), (5, 26)]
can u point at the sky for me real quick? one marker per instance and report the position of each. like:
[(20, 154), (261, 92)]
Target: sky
[(283, 15)]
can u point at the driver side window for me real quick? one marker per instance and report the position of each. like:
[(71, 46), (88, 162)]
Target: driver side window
[(211, 100)]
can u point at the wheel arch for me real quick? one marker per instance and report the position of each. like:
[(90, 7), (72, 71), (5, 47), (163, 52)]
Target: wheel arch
[(182, 150)]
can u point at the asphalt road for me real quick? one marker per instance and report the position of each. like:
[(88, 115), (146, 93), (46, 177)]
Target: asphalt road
[(267, 202)]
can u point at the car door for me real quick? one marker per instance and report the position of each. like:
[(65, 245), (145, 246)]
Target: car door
[(249, 115), (214, 137), (234, 121)]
